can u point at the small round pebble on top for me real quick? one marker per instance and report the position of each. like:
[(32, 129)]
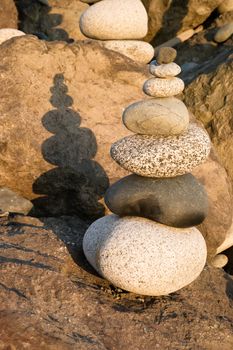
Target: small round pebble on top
[(166, 55)]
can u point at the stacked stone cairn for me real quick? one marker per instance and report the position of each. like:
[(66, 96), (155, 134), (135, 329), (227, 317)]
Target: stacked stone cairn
[(149, 245), (119, 25)]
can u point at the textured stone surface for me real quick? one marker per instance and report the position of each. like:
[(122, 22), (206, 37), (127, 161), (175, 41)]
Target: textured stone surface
[(115, 19), (160, 116), (12, 202), (219, 261), (139, 51), (162, 157), (8, 33), (210, 98), (225, 6), (50, 300), (167, 87), (180, 201), (59, 21), (55, 137), (166, 55), (142, 256), (8, 14), (224, 33), (164, 70), (167, 18)]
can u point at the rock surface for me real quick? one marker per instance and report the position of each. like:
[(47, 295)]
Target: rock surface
[(58, 21), (142, 256), (167, 18), (225, 6), (164, 70), (180, 201), (224, 33), (157, 87), (138, 51), (8, 33), (13, 203), (162, 157), (50, 302), (8, 14), (115, 20), (56, 152), (159, 117), (210, 98)]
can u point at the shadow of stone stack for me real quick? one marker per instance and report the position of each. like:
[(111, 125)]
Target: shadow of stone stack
[(150, 245), (119, 25)]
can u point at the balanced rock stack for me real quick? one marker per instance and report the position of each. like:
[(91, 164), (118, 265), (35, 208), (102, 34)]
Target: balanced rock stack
[(149, 245), (119, 25)]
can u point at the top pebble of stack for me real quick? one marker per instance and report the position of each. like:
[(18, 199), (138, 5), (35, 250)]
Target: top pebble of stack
[(115, 20)]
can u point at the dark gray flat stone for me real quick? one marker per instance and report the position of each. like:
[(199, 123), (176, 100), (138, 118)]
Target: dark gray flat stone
[(179, 201)]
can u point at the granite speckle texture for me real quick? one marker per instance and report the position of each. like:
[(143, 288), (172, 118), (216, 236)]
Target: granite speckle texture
[(144, 257), (166, 87), (162, 157), (164, 70), (115, 20), (159, 117)]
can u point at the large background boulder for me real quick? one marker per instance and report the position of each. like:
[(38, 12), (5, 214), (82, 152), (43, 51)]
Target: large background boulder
[(8, 14), (50, 301), (61, 110), (170, 17), (210, 98)]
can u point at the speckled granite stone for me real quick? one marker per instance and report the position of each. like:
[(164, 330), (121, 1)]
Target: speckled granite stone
[(8, 33), (162, 157), (166, 87), (142, 256), (180, 201), (137, 50), (164, 70), (157, 116), (115, 20)]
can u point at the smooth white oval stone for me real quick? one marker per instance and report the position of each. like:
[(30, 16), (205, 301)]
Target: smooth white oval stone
[(114, 20), (158, 87), (8, 33), (142, 256), (157, 116), (162, 156), (139, 51), (164, 70)]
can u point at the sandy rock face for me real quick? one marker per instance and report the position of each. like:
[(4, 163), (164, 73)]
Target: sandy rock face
[(61, 132), (210, 98), (8, 14)]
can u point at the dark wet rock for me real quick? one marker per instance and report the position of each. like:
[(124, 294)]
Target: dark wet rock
[(180, 201)]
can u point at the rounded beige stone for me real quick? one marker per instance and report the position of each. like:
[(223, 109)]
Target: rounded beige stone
[(224, 33), (219, 260), (158, 87), (115, 20), (142, 256), (158, 117), (8, 33), (162, 156), (139, 51), (164, 70)]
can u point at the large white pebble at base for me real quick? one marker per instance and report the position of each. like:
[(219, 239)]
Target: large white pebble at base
[(139, 51), (142, 256), (167, 87), (115, 20), (8, 33)]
